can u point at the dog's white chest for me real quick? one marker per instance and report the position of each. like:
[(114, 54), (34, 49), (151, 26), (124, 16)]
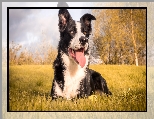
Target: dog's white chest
[(72, 83), (72, 77)]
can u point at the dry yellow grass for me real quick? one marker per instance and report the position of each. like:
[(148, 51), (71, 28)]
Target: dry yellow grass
[(30, 90)]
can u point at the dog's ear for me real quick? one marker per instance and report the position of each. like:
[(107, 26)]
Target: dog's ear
[(86, 23), (64, 18), (86, 19)]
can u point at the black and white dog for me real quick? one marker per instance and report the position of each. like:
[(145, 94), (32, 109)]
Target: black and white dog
[(72, 76)]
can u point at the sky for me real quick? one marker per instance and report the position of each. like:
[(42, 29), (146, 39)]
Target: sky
[(28, 26)]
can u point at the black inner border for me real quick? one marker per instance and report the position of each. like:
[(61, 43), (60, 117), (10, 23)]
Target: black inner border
[(8, 8)]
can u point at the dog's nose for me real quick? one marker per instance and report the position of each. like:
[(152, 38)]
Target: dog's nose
[(82, 40)]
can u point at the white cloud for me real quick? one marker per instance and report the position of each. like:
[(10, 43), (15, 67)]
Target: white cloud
[(28, 26)]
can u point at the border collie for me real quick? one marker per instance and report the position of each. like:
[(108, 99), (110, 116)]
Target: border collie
[(72, 76)]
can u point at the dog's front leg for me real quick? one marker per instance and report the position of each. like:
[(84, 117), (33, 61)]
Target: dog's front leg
[(86, 85)]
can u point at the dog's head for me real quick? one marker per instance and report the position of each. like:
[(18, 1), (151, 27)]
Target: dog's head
[(75, 35)]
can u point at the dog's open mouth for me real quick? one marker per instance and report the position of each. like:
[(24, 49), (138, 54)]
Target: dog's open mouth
[(78, 56)]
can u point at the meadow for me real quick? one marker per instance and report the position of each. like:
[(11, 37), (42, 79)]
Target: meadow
[(30, 85)]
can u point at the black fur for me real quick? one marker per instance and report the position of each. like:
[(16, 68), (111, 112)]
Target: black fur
[(92, 80)]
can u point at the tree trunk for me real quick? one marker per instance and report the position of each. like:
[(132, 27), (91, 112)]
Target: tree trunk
[(133, 38)]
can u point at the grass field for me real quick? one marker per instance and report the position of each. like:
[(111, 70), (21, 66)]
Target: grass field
[(29, 90)]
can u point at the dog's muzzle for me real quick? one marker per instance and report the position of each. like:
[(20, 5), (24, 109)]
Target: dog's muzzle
[(77, 50)]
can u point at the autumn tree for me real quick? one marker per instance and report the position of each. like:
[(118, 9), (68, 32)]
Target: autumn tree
[(51, 55), (13, 51), (136, 25), (25, 58), (120, 35)]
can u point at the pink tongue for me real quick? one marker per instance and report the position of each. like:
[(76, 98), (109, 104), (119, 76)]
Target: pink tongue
[(80, 58)]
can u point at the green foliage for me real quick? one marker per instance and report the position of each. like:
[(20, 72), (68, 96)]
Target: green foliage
[(30, 90)]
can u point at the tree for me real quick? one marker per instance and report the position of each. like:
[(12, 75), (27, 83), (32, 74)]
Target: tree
[(13, 50), (25, 58), (113, 29), (51, 56), (137, 30)]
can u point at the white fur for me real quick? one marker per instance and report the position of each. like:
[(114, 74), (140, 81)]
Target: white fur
[(72, 83), (58, 90)]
